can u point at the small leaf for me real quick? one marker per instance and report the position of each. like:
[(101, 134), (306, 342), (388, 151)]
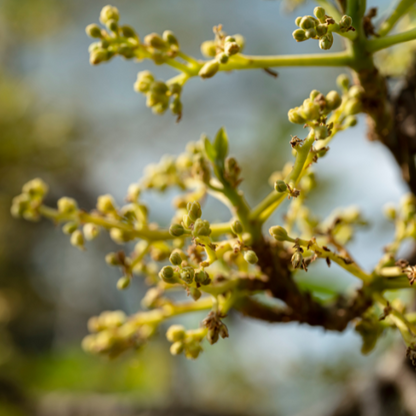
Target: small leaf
[(221, 144), (209, 149)]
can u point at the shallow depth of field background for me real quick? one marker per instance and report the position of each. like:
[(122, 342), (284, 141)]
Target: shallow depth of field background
[(86, 132)]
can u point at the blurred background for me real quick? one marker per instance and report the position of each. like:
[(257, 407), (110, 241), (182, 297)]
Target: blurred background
[(85, 132)]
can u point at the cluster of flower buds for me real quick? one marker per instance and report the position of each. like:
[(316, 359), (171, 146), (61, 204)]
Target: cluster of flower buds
[(320, 27), (159, 95), (221, 49), (26, 205), (112, 334), (187, 342)]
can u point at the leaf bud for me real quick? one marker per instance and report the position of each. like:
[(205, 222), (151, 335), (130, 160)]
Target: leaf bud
[(109, 13), (176, 258), (194, 210), (67, 205), (167, 274), (307, 22), (343, 81), (209, 69), (326, 41), (319, 12), (333, 100), (175, 333), (91, 231), (35, 188), (202, 277), (299, 35), (112, 259), (170, 38), (297, 260), (280, 186), (201, 228), (278, 233), (237, 227), (251, 257), (93, 31), (209, 48), (295, 117), (154, 40), (231, 48), (69, 227), (106, 204), (123, 283), (77, 239)]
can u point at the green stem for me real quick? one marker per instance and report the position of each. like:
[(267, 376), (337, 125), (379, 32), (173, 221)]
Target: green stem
[(375, 45), (399, 11)]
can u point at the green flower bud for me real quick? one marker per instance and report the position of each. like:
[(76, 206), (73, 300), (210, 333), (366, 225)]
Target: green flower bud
[(35, 188), (223, 331), (356, 91), (295, 116), (311, 33), (170, 38), (202, 277), (77, 239), (93, 31), (314, 94), (193, 350), (104, 44), (310, 110), (321, 132), (112, 25), (133, 192), (160, 107), (223, 58), (109, 13), (209, 48), (345, 23), (297, 260), (298, 20), (278, 233), (98, 55), (236, 227), (159, 87), (323, 152), (167, 274), (176, 348), (201, 228), (194, 210), (213, 336), (239, 39), (326, 41), (353, 107), (154, 40), (126, 51), (350, 121), (106, 204), (91, 231), (112, 259), (128, 31), (195, 293), (280, 186), (176, 230), (119, 236), (251, 257), (175, 88), (321, 30), (319, 12), (70, 227), (343, 81), (20, 204), (123, 283), (307, 22), (231, 48), (176, 258), (209, 69), (67, 205), (333, 100), (299, 35), (175, 333), (187, 222), (187, 274)]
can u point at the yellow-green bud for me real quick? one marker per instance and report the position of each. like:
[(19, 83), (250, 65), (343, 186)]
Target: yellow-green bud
[(319, 12), (231, 48), (91, 231), (326, 41), (280, 186), (251, 257), (195, 293), (176, 106), (193, 350), (311, 33), (321, 132), (278, 233), (307, 22), (77, 239), (106, 204), (187, 222), (202, 277), (175, 333), (176, 230), (343, 81), (297, 260), (176, 258), (222, 58), (298, 20), (345, 23), (313, 94), (333, 100), (194, 210), (295, 117), (310, 110), (349, 121), (123, 283), (70, 227), (187, 274), (176, 348), (201, 228), (239, 39), (209, 69), (112, 259), (112, 25), (167, 274), (98, 55), (155, 41), (170, 38), (175, 88), (209, 48), (236, 227), (67, 205), (133, 192), (19, 205), (390, 212), (299, 35), (321, 30), (35, 188), (93, 31), (109, 13), (353, 107), (128, 31), (356, 91)]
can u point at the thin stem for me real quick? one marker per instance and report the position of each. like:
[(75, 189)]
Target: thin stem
[(398, 12), (375, 45)]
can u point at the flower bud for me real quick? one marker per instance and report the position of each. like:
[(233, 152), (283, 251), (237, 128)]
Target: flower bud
[(128, 31), (353, 107), (311, 33), (280, 186), (98, 55), (319, 12), (194, 210), (298, 20), (93, 31), (299, 35), (176, 230), (278, 233), (349, 121), (176, 258), (251, 257), (170, 38), (231, 48), (167, 274), (70, 227), (236, 227), (123, 283), (91, 231), (175, 333), (223, 331), (195, 293), (333, 100), (19, 205), (67, 205), (106, 204), (313, 94), (176, 348), (307, 22), (321, 132), (187, 222), (310, 110), (112, 259), (295, 117), (109, 13), (187, 274), (202, 277), (112, 25), (209, 69), (35, 188), (77, 239), (201, 228), (154, 40), (345, 23), (209, 48), (239, 39), (176, 106), (356, 91), (343, 81), (321, 30), (326, 41), (297, 260)]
